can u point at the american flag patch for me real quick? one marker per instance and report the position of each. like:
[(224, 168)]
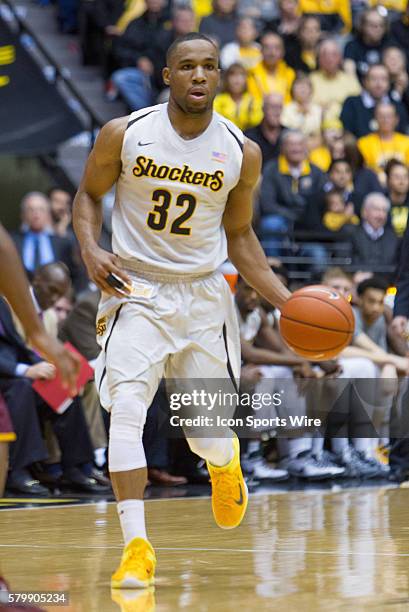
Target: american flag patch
[(220, 157)]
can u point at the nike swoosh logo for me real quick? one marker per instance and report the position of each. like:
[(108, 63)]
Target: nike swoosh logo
[(144, 144), (240, 501)]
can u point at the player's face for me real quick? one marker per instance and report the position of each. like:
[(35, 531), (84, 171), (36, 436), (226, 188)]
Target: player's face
[(247, 298), (193, 76), (372, 304)]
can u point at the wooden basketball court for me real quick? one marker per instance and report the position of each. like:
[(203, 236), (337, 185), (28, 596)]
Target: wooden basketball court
[(297, 550)]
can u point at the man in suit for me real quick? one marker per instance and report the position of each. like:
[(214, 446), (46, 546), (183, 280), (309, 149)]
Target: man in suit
[(37, 243), (19, 367)]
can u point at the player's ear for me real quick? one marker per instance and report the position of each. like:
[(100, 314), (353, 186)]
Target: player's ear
[(165, 75)]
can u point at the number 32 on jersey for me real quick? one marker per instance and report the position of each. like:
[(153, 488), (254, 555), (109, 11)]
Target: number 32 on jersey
[(158, 217)]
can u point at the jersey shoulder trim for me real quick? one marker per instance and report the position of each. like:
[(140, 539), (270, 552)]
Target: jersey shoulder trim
[(141, 114), (235, 132)]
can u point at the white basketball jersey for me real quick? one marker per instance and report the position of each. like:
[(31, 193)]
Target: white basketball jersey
[(172, 192)]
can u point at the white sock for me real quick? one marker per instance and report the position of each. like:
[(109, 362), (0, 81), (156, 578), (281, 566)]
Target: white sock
[(317, 445), (217, 451), (363, 445), (339, 445), (131, 514)]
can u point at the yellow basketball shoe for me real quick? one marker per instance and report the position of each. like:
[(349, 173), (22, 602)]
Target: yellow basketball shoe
[(229, 491), (137, 568), (141, 600)]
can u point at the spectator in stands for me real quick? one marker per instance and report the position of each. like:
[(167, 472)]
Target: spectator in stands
[(365, 49), (50, 285), (286, 24), (397, 183), (63, 307), (358, 111), (374, 243), (36, 242), (244, 50), (183, 22), (262, 347), (61, 205), (287, 21), (268, 133), (400, 32), (395, 62), (334, 15), (340, 177), (331, 84), (221, 24), (347, 420), (301, 114), (19, 367), (372, 322), (332, 144), (386, 143), (301, 51), (338, 214), (271, 75), (235, 102), (365, 180), (340, 202), (288, 184), (134, 54)]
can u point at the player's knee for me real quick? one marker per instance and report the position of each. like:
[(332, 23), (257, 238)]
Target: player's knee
[(127, 418)]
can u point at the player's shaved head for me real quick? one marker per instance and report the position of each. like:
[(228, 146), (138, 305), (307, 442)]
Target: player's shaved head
[(191, 36)]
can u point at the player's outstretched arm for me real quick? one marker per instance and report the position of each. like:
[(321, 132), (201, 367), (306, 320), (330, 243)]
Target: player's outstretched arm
[(101, 172), (245, 251), (14, 286)]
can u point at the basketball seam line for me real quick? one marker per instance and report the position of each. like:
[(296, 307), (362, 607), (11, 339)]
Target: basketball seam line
[(312, 297), (337, 331)]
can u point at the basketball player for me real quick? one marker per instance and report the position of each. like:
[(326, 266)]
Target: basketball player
[(184, 178)]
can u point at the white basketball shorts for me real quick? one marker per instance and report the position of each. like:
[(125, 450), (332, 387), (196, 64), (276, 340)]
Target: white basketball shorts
[(169, 328)]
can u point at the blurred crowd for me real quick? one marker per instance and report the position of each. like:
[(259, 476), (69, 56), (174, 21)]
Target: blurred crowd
[(323, 88)]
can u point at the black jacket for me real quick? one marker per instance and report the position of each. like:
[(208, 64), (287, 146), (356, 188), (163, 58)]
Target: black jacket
[(282, 195), (138, 39), (358, 119), (13, 350)]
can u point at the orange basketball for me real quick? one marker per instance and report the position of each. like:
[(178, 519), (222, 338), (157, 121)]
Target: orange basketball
[(317, 322)]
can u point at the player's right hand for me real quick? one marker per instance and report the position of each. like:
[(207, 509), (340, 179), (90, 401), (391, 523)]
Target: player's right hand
[(100, 264), (43, 370)]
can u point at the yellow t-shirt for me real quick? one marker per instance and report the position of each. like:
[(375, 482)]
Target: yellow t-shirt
[(261, 82), (246, 114), (308, 123), (335, 221), (329, 7), (321, 157), (330, 93), (378, 152)]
